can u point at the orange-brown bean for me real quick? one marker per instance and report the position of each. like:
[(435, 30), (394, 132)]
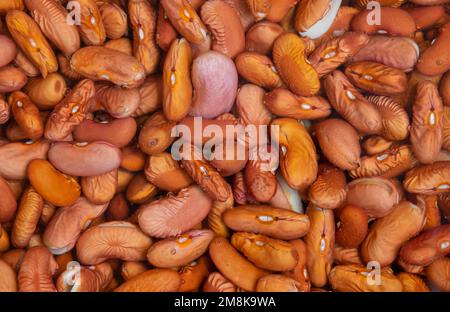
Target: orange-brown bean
[(274, 222), (155, 280), (37, 270)]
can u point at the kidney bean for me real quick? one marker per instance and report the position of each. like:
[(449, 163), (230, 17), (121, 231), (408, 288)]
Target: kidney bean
[(438, 274), (181, 250), (114, 20), (398, 52), (216, 282), (314, 18), (47, 92), (428, 179), (143, 22), (274, 222), (403, 222), (234, 266), (277, 283), (51, 17), (265, 252), (377, 196), (88, 279), (8, 204), (336, 51), (118, 132), (11, 79), (297, 150), (354, 278), (16, 156), (427, 247), (8, 280), (109, 240), (9, 50), (289, 56), (343, 255), (194, 274), (174, 214), (27, 217), (139, 190), (155, 280), (131, 269), (330, 188), (100, 189), (261, 36), (37, 270)]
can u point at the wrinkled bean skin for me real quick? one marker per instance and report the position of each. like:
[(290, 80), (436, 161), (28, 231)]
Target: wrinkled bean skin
[(435, 59), (8, 279), (181, 250), (395, 119), (261, 36), (261, 184), (56, 188), (274, 222), (297, 151), (284, 103), (337, 51), (403, 222), (155, 280), (250, 105), (88, 279), (185, 20), (8, 204), (258, 69), (377, 78), (118, 132), (64, 228), (300, 272), (143, 22), (174, 214), (277, 283), (26, 114), (16, 156), (343, 255), (330, 189), (216, 282), (377, 196), (354, 278), (429, 179), (398, 52), (438, 273), (114, 20), (351, 105), (177, 85), (100, 189), (220, 70), (319, 244), (215, 220), (5, 111), (107, 241), (427, 247), (36, 271), (97, 158), (289, 57), (27, 217), (339, 142), (110, 65), (426, 126), (394, 21), (233, 266), (225, 26), (29, 37), (204, 174), (265, 252), (164, 172), (412, 283), (70, 112), (117, 101), (388, 164), (51, 17)]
